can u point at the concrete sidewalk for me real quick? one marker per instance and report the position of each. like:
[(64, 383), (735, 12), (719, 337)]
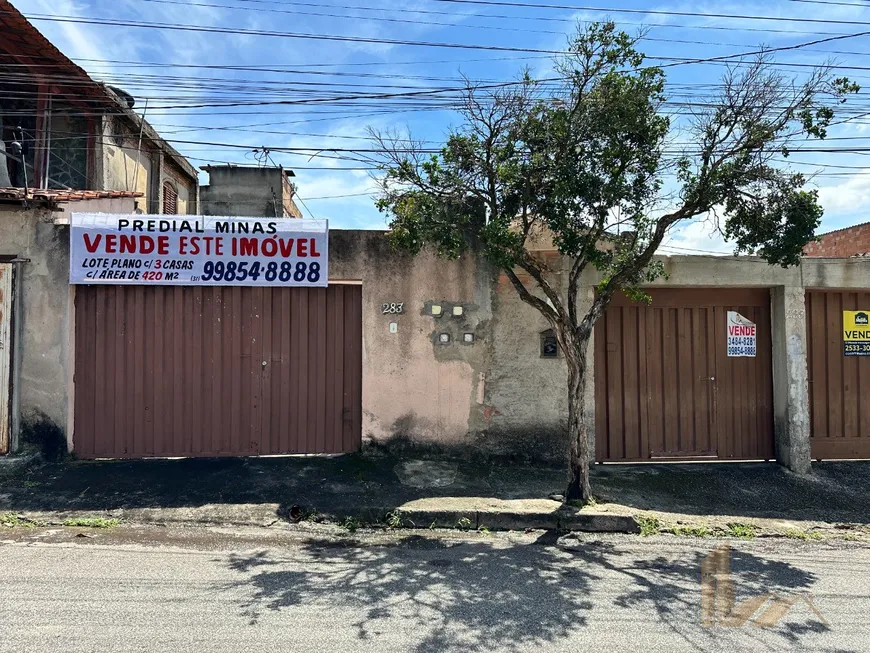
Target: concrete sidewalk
[(357, 489)]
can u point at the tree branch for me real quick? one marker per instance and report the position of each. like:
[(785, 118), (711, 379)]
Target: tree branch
[(545, 309)]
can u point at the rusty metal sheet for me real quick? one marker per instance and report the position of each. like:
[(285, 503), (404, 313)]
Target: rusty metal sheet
[(838, 384), (213, 371), (665, 387), (5, 354)]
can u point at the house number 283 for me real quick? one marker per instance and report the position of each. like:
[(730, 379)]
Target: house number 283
[(393, 308)]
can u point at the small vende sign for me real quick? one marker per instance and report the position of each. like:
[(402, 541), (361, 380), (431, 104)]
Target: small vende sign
[(742, 335), (856, 333), (197, 250)]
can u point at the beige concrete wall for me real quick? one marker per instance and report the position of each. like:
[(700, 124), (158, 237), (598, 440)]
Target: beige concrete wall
[(43, 305), (121, 159), (734, 271), (415, 388), (240, 190), (526, 395)]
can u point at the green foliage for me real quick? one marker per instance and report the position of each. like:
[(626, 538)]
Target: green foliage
[(524, 163), (591, 502), (92, 522), (649, 525), (698, 530), (313, 516), (463, 523), (742, 531), (585, 166), (778, 225), (796, 534), (394, 519), (13, 520), (351, 524)]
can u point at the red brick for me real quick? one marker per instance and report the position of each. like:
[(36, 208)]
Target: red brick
[(850, 241)]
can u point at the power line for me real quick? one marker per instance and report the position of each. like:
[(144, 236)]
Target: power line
[(335, 197), (656, 12), (358, 39), (301, 201), (489, 16), (111, 22), (454, 25)]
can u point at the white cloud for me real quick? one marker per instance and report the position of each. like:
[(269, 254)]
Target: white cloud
[(75, 41), (697, 237), (846, 198)]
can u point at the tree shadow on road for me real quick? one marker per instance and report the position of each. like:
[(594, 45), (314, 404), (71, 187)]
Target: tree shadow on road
[(460, 596), (480, 595), (671, 588)]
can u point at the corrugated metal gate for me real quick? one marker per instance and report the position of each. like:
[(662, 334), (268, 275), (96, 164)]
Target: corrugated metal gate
[(213, 371), (665, 386), (839, 384)]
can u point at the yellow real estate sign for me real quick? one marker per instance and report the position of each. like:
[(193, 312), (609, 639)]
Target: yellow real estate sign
[(856, 333)]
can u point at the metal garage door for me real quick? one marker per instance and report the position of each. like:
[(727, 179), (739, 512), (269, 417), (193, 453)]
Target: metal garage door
[(212, 371), (665, 386), (839, 384)]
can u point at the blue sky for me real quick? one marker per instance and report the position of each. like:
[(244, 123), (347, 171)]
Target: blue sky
[(313, 69)]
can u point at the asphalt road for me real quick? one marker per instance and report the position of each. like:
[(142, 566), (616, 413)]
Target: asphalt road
[(203, 590)]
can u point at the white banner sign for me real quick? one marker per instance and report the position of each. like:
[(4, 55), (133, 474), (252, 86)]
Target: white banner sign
[(197, 250), (741, 335)]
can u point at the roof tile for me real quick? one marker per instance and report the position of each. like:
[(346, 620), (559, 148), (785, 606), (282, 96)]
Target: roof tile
[(51, 195)]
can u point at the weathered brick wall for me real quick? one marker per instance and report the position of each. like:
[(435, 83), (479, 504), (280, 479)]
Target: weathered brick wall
[(851, 241)]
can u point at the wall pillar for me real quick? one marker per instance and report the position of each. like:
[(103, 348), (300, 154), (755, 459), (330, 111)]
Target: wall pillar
[(790, 386)]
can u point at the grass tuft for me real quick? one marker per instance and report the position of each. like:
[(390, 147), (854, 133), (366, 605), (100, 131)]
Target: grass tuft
[(691, 531), (463, 523), (592, 502), (796, 534), (649, 525), (12, 520), (742, 531), (394, 519), (92, 522), (351, 524)]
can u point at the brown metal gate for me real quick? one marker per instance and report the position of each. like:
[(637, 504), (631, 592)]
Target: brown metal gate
[(838, 384), (665, 386), (212, 371)]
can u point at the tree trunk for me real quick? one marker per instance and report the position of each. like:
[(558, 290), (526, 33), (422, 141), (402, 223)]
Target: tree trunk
[(579, 488)]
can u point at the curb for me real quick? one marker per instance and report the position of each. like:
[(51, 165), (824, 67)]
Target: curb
[(265, 515), (517, 521)]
